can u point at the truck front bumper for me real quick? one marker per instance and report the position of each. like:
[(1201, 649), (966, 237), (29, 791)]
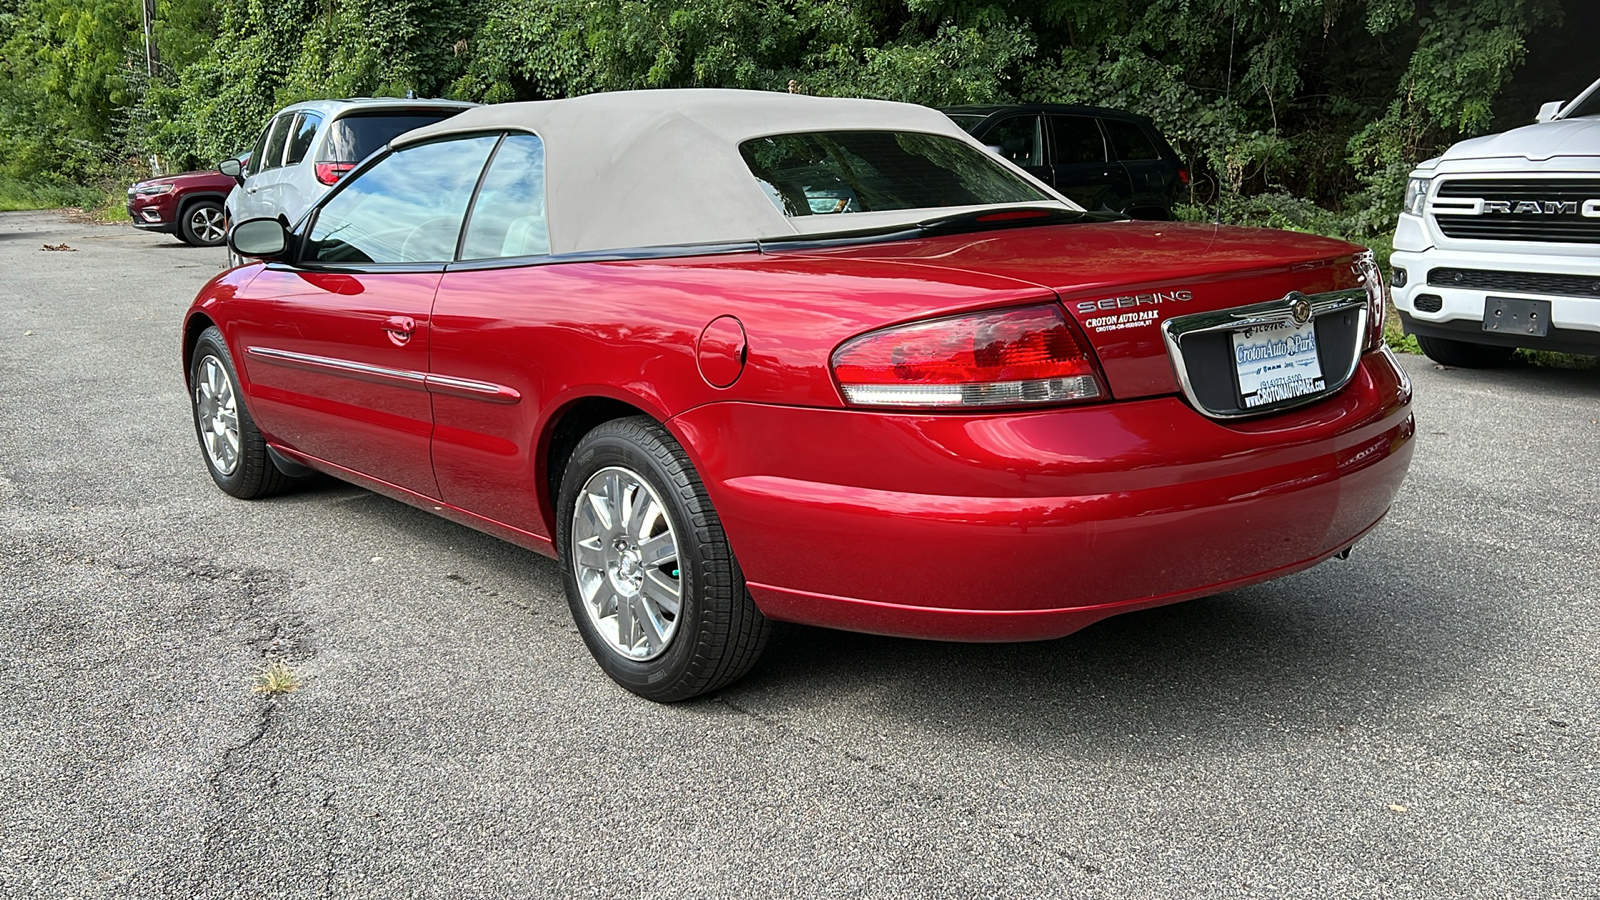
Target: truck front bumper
[(1446, 292)]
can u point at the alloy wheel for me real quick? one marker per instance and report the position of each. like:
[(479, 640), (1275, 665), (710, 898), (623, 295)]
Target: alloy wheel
[(625, 557), (216, 410), (207, 224)]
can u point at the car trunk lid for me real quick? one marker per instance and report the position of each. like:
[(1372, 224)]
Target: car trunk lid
[(1121, 280)]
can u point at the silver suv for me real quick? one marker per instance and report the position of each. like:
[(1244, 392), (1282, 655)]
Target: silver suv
[(308, 147)]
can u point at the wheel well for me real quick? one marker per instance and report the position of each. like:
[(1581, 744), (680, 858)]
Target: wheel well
[(192, 330), (186, 202), (571, 424)]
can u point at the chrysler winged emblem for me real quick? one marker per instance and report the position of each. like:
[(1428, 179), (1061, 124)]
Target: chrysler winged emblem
[(1300, 308)]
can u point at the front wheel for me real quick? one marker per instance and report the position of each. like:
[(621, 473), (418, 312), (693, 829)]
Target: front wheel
[(203, 224), (234, 451), (653, 586), (1464, 355)]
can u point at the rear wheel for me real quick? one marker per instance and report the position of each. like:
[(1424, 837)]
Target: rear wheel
[(653, 586), (203, 225), (1464, 355), (234, 451)]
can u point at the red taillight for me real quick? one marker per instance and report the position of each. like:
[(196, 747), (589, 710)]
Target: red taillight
[(1001, 358), (1183, 175), (331, 172)]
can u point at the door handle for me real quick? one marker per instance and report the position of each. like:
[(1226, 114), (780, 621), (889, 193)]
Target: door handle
[(251, 189), (400, 329)]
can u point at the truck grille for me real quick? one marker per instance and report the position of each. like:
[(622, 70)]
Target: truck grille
[(1559, 203), (1517, 282)]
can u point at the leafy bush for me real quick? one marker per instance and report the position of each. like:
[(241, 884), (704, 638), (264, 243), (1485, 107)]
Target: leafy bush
[(1330, 100)]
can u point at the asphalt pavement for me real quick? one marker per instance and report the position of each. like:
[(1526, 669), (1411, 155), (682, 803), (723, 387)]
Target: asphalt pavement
[(1421, 720)]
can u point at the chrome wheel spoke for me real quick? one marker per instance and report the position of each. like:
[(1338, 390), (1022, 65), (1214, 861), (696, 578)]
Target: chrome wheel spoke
[(651, 629), (642, 517), (659, 550), (661, 592), (588, 556), (623, 611)]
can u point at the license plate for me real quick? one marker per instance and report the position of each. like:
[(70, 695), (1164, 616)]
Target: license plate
[(1276, 363), (1508, 314)]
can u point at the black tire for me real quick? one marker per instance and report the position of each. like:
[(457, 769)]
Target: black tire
[(201, 224), (1464, 355), (718, 634), (252, 474)]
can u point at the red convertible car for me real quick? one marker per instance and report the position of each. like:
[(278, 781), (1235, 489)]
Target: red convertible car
[(736, 357)]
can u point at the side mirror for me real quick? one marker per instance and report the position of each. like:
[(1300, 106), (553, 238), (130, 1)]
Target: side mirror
[(1548, 111), (233, 169), (259, 239), (996, 149)]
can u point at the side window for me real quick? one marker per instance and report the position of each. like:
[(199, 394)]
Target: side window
[(254, 165), (508, 218), (305, 131), (1019, 140), (1130, 141), (1078, 140), (272, 156), (407, 208)]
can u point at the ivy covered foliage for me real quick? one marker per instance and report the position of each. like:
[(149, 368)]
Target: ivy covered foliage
[(1326, 101)]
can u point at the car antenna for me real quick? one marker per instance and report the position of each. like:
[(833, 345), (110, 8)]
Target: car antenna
[(1227, 96)]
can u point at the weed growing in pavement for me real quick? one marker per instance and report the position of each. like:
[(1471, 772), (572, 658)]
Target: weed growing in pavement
[(276, 678)]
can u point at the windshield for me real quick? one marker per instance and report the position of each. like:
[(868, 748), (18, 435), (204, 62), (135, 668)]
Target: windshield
[(835, 172)]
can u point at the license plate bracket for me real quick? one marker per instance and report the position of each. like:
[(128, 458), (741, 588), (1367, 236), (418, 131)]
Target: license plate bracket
[(1276, 362), (1509, 315)]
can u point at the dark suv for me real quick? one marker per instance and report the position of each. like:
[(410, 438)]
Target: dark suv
[(1099, 158), (187, 205)]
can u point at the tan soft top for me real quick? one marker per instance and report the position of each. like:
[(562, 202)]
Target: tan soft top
[(659, 168)]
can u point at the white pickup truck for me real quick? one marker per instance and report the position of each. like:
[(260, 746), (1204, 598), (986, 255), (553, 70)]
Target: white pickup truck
[(1498, 246)]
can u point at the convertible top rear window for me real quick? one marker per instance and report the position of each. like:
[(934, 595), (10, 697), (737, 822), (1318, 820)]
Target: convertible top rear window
[(824, 173)]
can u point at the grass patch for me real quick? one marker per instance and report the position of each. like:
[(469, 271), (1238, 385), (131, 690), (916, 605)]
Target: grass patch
[(107, 202), (276, 678), (112, 205), (20, 195)]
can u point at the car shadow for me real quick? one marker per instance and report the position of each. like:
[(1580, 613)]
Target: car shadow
[(1340, 644), (1574, 374)]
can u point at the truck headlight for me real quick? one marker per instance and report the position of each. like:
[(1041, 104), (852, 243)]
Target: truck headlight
[(1417, 195)]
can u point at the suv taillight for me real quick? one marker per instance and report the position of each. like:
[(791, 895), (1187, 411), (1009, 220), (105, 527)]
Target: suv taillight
[(331, 172), (1011, 357)]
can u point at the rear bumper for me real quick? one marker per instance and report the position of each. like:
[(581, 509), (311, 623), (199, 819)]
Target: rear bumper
[(1028, 526)]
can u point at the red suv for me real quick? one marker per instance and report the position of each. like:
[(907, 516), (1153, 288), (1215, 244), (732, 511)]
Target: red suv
[(187, 205)]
